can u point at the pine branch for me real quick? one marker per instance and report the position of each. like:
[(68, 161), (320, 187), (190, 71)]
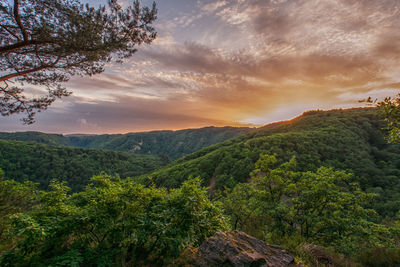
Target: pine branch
[(18, 20)]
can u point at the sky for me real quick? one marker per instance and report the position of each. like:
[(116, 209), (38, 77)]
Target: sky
[(237, 62)]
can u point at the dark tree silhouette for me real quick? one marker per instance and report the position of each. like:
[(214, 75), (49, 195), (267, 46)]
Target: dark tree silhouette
[(45, 42)]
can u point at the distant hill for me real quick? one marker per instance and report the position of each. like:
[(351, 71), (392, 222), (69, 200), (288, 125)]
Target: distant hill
[(173, 144), (43, 138), (41, 163), (349, 140)]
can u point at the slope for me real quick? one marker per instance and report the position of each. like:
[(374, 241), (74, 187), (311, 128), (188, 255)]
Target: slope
[(173, 144), (41, 163), (349, 140)]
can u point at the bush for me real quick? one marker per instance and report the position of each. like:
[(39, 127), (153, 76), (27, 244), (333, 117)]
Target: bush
[(113, 222)]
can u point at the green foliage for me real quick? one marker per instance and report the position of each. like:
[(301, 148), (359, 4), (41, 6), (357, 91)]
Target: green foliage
[(381, 257), (38, 137), (42, 163), (390, 109), (113, 222), (14, 198), (45, 42), (349, 140), (324, 207), (171, 144)]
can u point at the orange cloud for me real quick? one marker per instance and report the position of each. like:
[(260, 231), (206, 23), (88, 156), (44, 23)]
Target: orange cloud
[(226, 62)]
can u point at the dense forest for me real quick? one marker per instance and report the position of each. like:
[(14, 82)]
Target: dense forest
[(173, 144), (42, 163), (326, 178), (351, 140)]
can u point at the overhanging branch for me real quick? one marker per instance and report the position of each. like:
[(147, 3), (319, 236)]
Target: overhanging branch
[(10, 48), (26, 72), (18, 20)]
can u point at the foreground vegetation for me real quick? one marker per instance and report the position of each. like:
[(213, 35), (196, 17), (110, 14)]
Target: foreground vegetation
[(116, 222), (325, 207), (112, 223)]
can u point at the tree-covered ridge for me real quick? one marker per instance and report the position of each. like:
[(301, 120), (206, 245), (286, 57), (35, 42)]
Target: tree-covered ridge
[(42, 163), (38, 137), (173, 144), (350, 140)]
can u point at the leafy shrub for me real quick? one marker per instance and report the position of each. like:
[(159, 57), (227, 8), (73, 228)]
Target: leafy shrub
[(113, 222)]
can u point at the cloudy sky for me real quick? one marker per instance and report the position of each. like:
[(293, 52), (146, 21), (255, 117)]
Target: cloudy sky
[(237, 62)]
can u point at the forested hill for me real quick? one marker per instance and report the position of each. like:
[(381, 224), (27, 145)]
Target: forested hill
[(173, 144), (42, 163), (344, 139)]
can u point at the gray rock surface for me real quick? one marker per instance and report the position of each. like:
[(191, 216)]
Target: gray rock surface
[(235, 249)]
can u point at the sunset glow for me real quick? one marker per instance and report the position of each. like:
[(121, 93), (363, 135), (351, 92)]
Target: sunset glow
[(235, 62)]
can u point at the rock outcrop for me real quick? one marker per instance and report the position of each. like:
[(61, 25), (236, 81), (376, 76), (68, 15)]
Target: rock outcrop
[(235, 249)]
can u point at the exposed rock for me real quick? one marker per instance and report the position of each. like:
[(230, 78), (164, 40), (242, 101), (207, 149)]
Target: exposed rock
[(235, 249), (321, 255), (211, 187), (135, 148)]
